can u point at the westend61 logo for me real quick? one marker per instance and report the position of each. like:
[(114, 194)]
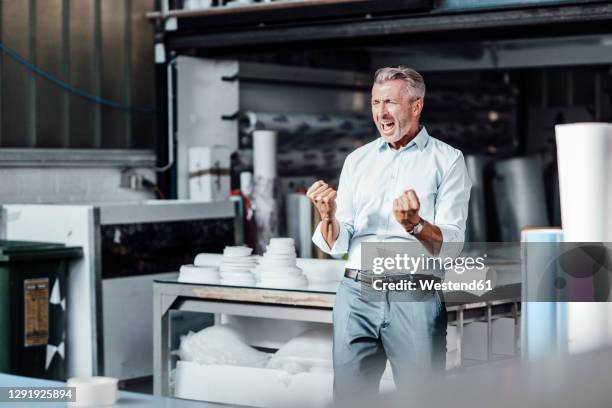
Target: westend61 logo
[(406, 268), (541, 271), (410, 264)]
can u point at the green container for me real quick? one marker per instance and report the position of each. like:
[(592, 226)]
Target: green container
[(33, 287)]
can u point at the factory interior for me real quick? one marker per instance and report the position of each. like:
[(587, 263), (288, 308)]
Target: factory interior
[(156, 232)]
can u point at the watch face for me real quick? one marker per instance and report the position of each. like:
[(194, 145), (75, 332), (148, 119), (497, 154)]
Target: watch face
[(418, 228)]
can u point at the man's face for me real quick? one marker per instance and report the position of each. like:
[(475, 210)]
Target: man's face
[(393, 111)]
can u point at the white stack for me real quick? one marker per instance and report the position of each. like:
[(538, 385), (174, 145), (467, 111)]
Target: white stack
[(277, 267), (236, 266), (199, 274)]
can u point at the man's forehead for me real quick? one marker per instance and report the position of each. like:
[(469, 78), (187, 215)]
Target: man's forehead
[(393, 87)]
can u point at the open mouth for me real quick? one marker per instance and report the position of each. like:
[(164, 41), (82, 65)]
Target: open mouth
[(387, 126)]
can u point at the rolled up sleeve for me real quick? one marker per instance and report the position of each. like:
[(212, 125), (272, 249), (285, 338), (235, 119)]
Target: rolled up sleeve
[(344, 215), (451, 208), (340, 247)]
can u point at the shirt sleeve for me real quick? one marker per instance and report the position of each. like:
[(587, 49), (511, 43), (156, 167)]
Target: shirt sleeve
[(451, 208), (344, 214)]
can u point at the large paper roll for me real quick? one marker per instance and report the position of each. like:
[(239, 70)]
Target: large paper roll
[(520, 195), (584, 153)]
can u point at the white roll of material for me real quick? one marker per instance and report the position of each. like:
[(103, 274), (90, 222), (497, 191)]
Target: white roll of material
[(299, 222), (264, 152), (543, 323), (584, 154), (265, 190), (94, 391), (207, 259)]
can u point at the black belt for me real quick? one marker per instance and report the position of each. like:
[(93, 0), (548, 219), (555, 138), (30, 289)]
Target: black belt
[(368, 277)]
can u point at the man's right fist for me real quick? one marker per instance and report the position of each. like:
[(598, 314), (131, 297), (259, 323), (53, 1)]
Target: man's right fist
[(323, 196)]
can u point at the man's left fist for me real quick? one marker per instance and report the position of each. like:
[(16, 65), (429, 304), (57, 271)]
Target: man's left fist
[(406, 209)]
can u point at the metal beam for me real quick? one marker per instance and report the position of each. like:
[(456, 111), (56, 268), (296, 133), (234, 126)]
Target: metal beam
[(431, 23), (16, 157)]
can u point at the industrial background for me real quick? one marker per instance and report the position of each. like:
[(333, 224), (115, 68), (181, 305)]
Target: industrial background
[(137, 137)]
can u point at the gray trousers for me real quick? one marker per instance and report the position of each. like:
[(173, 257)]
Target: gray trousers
[(411, 334)]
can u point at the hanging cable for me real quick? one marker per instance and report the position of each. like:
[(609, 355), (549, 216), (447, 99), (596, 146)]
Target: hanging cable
[(70, 88)]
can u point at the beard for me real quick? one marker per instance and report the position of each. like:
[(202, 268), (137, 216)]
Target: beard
[(397, 135)]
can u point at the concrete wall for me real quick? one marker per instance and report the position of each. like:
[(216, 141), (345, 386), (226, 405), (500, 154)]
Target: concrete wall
[(66, 185)]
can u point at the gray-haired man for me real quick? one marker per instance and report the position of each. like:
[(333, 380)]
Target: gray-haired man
[(403, 186)]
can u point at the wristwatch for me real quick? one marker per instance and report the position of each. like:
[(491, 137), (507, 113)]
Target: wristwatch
[(418, 227)]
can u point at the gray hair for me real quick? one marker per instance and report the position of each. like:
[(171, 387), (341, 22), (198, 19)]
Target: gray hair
[(415, 84)]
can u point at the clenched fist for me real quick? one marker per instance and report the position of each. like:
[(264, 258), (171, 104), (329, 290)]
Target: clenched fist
[(323, 196), (406, 209)]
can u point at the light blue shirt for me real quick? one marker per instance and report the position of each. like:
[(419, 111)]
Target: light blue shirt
[(374, 175)]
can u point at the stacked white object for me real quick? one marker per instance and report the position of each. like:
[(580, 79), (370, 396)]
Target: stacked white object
[(199, 274), (236, 266), (277, 267), (208, 259)]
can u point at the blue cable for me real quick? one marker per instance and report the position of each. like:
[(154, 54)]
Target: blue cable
[(62, 84)]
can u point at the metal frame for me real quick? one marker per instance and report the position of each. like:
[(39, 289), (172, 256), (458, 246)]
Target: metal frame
[(153, 211), (164, 211), (487, 21), (277, 12), (38, 157), (280, 304)]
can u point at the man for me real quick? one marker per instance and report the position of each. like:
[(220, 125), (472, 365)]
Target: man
[(404, 186)]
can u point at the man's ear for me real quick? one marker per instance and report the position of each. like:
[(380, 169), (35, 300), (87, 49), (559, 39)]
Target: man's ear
[(417, 106)]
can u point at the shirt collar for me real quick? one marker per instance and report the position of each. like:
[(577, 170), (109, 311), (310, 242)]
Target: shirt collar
[(420, 140)]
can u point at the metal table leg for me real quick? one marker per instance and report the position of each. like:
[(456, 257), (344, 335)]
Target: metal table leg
[(161, 334), (489, 333), (517, 326), (460, 334)]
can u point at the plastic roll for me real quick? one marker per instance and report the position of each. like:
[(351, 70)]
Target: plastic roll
[(477, 217), (198, 274), (584, 155), (94, 391), (207, 259), (543, 324), (264, 152), (299, 222), (520, 196), (265, 191)]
